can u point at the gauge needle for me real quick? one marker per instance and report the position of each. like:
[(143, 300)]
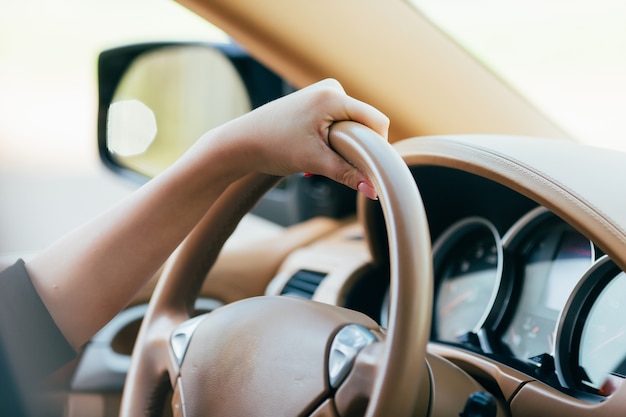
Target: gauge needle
[(606, 342), (454, 303)]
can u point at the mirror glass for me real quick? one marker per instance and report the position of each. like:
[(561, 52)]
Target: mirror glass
[(166, 100)]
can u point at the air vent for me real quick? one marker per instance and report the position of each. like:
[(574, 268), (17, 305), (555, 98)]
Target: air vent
[(303, 284)]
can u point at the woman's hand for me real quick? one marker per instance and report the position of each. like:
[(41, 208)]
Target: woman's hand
[(290, 135)]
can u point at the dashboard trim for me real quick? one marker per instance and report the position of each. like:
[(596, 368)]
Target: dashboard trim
[(526, 165)]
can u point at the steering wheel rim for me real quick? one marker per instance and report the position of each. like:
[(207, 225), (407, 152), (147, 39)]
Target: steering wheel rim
[(411, 275)]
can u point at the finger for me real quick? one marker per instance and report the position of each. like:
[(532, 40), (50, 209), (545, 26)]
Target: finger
[(368, 115), (333, 166), (349, 108), (367, 190), (329, 83)]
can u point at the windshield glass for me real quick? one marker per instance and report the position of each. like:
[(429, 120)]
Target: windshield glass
[(567, 57)]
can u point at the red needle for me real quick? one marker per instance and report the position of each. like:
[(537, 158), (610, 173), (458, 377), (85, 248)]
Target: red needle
[(454, 303), (606, 342)]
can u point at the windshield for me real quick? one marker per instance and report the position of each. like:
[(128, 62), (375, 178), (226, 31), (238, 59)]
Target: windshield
[(567, 57)]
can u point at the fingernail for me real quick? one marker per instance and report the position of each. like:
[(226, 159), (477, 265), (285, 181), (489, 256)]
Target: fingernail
[(367, 190)]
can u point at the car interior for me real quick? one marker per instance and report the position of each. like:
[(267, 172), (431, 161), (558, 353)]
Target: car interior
[(487, 279)]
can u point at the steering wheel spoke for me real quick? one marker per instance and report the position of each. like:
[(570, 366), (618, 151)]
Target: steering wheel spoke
[(352, 397)]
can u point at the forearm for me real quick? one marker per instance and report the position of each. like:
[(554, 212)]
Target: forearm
[(92, 273)]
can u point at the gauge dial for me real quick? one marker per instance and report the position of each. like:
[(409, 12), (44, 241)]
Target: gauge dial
[(554, 261), (592, 334), (467, 272), (603, 340)]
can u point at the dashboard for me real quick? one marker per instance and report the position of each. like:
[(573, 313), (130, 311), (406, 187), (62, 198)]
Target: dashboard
[(513, 283), (529, 283)]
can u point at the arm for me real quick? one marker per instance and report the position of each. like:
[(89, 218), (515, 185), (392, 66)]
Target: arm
[(91, 274)]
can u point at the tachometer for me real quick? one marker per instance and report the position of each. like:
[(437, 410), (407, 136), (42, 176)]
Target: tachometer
[(468, 264)]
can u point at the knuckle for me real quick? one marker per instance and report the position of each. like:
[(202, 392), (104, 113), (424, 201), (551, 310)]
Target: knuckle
[(345, 175)]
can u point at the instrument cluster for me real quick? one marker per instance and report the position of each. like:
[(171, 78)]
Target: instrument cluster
[(540, 297)]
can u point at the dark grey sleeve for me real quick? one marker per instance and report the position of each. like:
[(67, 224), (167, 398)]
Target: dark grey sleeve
[(31, 344)]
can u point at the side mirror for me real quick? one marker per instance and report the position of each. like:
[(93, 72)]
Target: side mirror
[(157, 99)]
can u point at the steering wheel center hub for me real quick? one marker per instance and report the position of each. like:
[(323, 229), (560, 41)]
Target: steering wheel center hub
[(264, 356)]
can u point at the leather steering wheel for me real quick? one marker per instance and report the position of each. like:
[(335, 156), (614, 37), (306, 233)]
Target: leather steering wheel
[(270, 355)]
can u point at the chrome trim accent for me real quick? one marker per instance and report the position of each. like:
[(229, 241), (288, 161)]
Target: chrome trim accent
[(445, 240), (384, 310), (523, 223), (522, 231), (181, 336), (578, 305), (178, 399), (347, 343)]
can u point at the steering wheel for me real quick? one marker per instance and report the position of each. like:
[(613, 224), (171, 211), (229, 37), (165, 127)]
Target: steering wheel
[(273, 356)]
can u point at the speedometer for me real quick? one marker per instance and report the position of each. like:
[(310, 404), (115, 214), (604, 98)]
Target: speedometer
[(468, 261)]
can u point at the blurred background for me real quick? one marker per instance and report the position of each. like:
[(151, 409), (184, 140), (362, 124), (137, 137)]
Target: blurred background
[(51, 179), (566, 56)]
